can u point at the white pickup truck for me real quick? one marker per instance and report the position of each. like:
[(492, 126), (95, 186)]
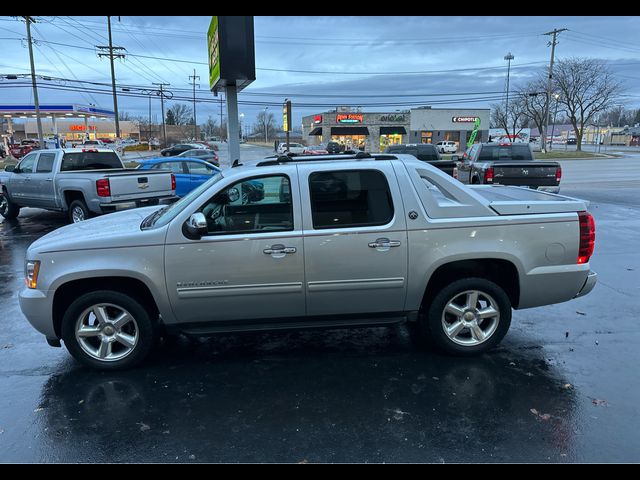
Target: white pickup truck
[(81, 182)]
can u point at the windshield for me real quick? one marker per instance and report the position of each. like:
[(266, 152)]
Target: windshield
[(164, 215)]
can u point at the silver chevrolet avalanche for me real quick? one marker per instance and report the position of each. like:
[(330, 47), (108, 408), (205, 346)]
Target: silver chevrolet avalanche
[(318, 241)]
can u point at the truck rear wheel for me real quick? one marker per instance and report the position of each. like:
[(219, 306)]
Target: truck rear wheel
[(466, 317), (8, 209), (108, 330), (78, 211)]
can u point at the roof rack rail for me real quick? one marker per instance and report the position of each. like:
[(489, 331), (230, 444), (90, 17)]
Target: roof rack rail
[(270, 161)]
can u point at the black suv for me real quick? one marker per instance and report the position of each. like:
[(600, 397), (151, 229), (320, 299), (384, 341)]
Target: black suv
[(335, 147), (427, 153)]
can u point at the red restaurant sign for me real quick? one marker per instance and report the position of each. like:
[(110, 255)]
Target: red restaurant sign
[(317, 119), (349, 118), (81, 128)]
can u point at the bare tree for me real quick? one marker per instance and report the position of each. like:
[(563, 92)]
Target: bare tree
[(209, 128), (512, 121), (264, 119), (532, 98), (586, 88), (181, 113)]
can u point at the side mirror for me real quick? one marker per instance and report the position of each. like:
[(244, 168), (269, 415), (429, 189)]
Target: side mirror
[(455, 158), (9, 168), (196, 226)]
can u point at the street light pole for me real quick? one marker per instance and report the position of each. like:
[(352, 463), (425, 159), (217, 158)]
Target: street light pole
[(266, 135), (508, 57)]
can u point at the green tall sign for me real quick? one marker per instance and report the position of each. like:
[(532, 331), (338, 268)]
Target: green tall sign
[(230, 44), (474, 133), (214, 53)]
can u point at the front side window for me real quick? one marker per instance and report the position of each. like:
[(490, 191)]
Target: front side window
[(26, 165), (256, 205), (350, 198), (45, 162)]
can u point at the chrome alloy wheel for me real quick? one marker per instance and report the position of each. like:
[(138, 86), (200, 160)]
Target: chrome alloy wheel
[(106, 332), (77, 214), (470, 318)]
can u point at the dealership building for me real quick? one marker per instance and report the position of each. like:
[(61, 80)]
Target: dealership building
[(375, 131)]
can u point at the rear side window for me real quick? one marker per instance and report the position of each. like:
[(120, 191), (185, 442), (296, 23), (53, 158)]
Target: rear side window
[(350, 198), (505, 153), (90, 161), (45, 162), (175, 167)]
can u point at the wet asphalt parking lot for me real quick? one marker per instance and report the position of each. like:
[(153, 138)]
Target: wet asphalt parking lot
[(562, 387)]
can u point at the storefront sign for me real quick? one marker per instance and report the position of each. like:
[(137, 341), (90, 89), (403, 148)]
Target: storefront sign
[(393, 118), (81, 128), (286, 116), (349, 118), (464, 119), (317, 119)]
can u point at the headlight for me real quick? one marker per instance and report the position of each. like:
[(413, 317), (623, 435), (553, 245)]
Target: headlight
[(31, 270)]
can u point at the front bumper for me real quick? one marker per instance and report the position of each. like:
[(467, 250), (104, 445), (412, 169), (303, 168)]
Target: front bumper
[(37, 306), (589, 283)]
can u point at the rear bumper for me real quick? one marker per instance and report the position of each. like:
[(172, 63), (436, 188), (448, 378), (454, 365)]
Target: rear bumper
[(125, 205), (555, 284), (589, 283)]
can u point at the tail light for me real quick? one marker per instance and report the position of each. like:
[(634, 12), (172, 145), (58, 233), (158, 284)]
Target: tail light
[(587, 236), (103, 187), (558, 174), (173, 182), (488, 175)]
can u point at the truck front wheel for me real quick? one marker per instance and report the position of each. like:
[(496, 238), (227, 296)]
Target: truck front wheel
[(466, 317), (108, 330), (78, 211), (8, 209)]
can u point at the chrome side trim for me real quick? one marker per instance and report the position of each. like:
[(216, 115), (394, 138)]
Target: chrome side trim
[(234, 290), (357, 284)]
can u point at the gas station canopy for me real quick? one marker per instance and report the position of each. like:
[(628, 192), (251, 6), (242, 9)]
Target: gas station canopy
[(54, 110)]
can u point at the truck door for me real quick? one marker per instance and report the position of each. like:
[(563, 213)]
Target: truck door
[(355, 240), (42, 184), (250, 264), (20, 181)]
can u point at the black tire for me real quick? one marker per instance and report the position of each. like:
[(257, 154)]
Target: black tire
[(475, 181), (430, 329), (77, 206), (146, 329), (8, 209)]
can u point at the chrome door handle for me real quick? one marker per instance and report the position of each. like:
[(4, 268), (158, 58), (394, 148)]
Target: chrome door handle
[(49, 179), (384, 243), (279, 250)]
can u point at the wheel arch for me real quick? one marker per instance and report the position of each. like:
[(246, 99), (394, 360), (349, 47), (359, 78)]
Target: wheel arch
[(501, 271), (69, 291)]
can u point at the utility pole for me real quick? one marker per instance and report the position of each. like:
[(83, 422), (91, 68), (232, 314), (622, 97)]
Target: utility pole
[(29, 21), (111, 56), (164, 126), (553, 44), (149, 131), (195, 122)]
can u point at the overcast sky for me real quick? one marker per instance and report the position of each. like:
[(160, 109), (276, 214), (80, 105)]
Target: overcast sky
[(367, 60)]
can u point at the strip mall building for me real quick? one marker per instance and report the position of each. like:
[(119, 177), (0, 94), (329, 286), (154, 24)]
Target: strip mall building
[(375, 131)]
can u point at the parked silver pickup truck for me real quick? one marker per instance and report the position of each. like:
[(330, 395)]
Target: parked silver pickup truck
[(335, 241), (81, 182)]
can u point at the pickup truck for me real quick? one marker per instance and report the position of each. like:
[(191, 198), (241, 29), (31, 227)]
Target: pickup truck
[(427, 153), (336, 241), (508, 164), (80, 182)]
